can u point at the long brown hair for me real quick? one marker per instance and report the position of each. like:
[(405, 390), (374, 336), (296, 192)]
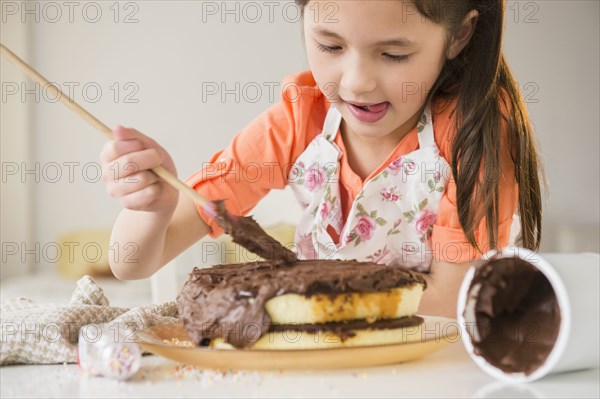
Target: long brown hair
[(476, 78)]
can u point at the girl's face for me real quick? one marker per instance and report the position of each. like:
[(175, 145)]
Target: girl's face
[(352, 64)]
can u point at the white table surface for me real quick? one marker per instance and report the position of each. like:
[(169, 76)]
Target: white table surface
[(449, 372)]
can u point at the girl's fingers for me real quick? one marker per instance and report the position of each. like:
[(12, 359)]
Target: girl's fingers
[(125, 140), (132, 163), (125, 133), (131, 184), (115, 148), (141, 200), (126, 171)]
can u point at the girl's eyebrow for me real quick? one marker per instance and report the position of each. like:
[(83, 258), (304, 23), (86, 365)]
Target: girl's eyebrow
[(401, 41)]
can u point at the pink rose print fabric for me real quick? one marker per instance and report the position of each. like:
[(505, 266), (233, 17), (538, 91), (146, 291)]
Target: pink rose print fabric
[(391, 219)]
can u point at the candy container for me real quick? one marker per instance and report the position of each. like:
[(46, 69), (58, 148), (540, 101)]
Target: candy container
[(109, 351)]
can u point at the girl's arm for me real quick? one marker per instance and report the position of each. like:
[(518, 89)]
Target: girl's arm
[(149, 240), (443, 282)]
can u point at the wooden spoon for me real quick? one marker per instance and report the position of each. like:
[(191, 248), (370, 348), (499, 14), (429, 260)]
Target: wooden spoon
[(244, 230)]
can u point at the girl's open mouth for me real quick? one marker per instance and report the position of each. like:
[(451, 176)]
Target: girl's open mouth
[(368, 113)]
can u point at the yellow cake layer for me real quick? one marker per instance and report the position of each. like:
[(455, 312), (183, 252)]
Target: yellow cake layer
[(321, 308), (292, 340)]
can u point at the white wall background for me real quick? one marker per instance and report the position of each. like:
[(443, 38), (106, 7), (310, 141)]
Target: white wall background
[(170, 49)]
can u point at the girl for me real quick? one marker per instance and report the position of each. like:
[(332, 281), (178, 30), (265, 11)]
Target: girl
[(407, 142)]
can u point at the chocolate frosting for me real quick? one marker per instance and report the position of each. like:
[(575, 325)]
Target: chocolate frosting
[(228, 300), (517, 315), (246, 232)]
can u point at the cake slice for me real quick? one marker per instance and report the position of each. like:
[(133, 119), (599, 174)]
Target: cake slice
[(302, 305)]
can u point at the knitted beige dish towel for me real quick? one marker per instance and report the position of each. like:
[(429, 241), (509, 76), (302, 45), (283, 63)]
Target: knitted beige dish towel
[(35, 333)]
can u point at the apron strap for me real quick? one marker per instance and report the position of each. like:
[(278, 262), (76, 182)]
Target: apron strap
[(425, 129), (332, 123)]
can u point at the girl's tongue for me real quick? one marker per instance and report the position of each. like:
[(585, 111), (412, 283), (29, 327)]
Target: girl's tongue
[(375, 107)]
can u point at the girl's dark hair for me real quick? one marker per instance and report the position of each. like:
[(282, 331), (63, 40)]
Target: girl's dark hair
[(480, 80)]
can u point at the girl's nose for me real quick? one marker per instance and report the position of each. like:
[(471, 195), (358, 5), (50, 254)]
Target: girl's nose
[(357, 79)]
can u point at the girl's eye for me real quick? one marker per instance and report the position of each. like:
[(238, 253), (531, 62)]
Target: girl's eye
[(396, 58), (327, 49), (335, 49)]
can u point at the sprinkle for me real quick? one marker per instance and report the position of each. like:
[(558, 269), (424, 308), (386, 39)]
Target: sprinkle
[(205, 378), (122, 361), (177, 342)]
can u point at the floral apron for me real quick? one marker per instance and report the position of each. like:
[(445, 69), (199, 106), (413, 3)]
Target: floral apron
[(392, 217)]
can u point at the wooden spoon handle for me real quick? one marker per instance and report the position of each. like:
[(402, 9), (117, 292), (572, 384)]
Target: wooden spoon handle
[(95, 122)]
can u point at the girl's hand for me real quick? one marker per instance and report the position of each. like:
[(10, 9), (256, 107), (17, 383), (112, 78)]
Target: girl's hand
[(126, 163)]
